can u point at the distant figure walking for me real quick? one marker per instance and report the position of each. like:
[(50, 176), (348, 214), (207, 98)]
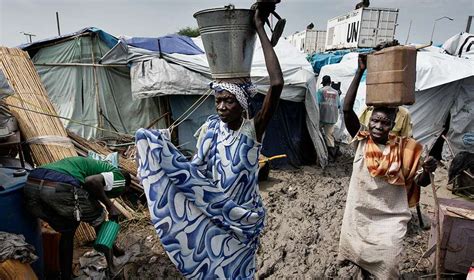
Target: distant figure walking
[(329, 104)]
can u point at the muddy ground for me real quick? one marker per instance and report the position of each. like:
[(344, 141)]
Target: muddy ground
[(305, 210), (304, 215)]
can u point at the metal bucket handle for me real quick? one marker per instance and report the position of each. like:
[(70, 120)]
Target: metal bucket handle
[(229, 7), (277, 31)]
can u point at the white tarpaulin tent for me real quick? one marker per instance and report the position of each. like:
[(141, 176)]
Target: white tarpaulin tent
[(444, 84), (159, 74), (461, 45), (151, 76)]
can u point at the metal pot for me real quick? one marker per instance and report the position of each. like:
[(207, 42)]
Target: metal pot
[(228, 36)]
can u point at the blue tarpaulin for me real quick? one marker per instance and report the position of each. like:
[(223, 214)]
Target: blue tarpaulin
[(318, 60), (166, 44)]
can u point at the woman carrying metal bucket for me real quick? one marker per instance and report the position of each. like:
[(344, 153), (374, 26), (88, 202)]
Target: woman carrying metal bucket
[(208, 211)]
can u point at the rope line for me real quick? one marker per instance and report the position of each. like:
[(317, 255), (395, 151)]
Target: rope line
[(176, 123), (205, 95), (190, 113), (64, 118), (191, 110)]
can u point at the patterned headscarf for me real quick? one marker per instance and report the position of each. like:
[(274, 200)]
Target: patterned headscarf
[(241, 91)]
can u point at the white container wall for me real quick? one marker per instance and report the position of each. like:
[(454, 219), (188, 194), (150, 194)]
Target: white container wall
[(309, 41), (362, 28), (315, 41), (297, 40)]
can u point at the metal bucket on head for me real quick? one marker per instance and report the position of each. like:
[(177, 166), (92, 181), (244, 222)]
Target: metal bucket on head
[(228, 36)]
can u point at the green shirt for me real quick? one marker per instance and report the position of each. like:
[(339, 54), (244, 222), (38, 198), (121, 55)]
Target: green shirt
[(81, 167)]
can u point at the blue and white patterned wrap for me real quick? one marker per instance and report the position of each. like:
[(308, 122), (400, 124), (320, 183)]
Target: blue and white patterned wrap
[(208, 212)]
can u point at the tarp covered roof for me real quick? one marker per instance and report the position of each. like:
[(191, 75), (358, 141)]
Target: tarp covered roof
[(153, 75), (132, 49), (318, 60), (167, 44), (107, 38)]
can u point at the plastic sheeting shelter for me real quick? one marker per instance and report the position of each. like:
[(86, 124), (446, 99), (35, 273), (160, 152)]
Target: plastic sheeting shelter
[(444, 85), (460, 45), (88, 93)]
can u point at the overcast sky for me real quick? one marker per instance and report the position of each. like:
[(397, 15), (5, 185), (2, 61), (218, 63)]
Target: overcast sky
[(152, 18)]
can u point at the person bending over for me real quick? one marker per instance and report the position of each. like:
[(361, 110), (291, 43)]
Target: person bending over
[(69, 191)]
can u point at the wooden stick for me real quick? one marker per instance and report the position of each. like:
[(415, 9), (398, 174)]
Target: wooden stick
[(449, 145), (122, 209), (438, 229), (157, 120), (96, 87), (459, 213)]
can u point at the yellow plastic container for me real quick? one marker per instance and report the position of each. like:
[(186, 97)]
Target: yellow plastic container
[(391, 76)]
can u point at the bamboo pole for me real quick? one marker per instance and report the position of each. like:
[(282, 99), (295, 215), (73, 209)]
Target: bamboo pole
[(96, 87), (438, 229), (81, 65)]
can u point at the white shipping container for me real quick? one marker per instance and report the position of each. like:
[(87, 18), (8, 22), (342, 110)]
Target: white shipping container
[(309, 41), (297, 40), (361, 28)]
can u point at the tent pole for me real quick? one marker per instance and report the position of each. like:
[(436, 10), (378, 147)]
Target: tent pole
[(57, 22), (96, 86), (81, 65)]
